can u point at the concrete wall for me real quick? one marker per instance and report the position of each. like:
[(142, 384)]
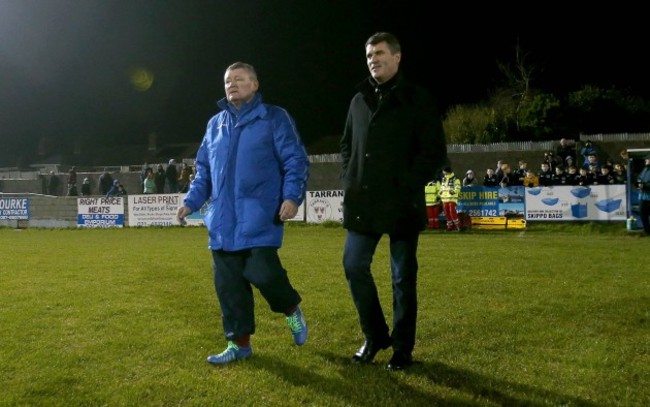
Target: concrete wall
[(46, 212), (130, 180)]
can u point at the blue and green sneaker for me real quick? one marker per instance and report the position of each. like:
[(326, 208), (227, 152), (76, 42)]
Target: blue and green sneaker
[(298, 327), (231, 354)]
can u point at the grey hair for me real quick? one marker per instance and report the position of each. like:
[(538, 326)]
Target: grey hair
[(243, 65)]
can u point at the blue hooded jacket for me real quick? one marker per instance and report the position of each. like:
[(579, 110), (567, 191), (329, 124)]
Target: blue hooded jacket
[(115, 189), (248, 163)]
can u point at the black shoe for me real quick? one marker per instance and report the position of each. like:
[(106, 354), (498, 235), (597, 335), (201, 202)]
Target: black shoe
[(369, 349), (400, 361)]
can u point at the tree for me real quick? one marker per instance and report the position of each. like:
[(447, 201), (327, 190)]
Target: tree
[(537, 117), (516, 111), (518, 78), (596, 110), (467, 124)]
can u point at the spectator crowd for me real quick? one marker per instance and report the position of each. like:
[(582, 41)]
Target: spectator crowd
[(561, 167), (166, 178)]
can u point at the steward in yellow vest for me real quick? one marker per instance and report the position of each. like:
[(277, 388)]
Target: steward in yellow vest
[(449, 191), (432, 200)]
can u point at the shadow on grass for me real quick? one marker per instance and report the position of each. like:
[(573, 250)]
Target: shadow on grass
[(498, 391), (372, 385), (355, 385)]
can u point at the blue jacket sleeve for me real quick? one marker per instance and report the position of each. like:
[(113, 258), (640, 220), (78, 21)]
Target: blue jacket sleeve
[(201, 188), (292, 157)]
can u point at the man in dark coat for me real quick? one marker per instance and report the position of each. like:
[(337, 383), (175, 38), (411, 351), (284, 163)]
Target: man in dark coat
[(53, 185), (393, 144), (159, 179), (105, 182), (171, 173)]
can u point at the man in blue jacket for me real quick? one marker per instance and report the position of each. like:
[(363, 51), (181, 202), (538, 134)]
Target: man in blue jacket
[(252, 168), (392, 145)]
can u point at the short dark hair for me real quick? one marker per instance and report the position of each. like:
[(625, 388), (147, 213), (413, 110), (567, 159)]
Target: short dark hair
[(388, 38)]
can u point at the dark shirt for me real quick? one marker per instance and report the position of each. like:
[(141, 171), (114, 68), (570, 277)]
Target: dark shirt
[(561, 179), (545, 178), (506, 180), (571, 179), (619, 178), (606, 179), (592, 179), (490, 181), (518, 177), (582, 180)]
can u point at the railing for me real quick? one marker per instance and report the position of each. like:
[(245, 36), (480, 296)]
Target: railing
[(514, 146), (613, 137)]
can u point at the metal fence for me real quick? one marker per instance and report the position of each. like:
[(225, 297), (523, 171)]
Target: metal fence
[(509, 147)]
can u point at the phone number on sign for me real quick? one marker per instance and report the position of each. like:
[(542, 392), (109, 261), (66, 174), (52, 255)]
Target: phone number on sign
[(482, 212)]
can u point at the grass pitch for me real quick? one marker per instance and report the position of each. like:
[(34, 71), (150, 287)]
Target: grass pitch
[(553, 315)]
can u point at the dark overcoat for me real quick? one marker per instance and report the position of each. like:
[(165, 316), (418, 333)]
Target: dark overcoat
[(390, 148)]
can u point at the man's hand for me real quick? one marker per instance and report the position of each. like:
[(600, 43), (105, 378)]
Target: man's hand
[(288, 210), (182, 212)]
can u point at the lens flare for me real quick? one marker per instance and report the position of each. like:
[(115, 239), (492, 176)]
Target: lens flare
[(141, 79)]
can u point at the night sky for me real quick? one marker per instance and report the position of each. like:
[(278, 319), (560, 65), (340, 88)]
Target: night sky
[(65, 66)]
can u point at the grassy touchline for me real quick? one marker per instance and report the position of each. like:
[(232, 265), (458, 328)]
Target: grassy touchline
[(555, 315)]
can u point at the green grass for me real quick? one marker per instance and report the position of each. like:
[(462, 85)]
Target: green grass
[(554, 315)]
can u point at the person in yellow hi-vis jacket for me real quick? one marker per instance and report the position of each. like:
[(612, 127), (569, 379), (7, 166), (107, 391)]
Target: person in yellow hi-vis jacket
[(432, 200), (449, 192)]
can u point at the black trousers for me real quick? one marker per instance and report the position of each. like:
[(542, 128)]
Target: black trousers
[(234, 275)]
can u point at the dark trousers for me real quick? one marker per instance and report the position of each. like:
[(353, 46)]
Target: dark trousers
[(645, 215), (235, 272), (357, 258)]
